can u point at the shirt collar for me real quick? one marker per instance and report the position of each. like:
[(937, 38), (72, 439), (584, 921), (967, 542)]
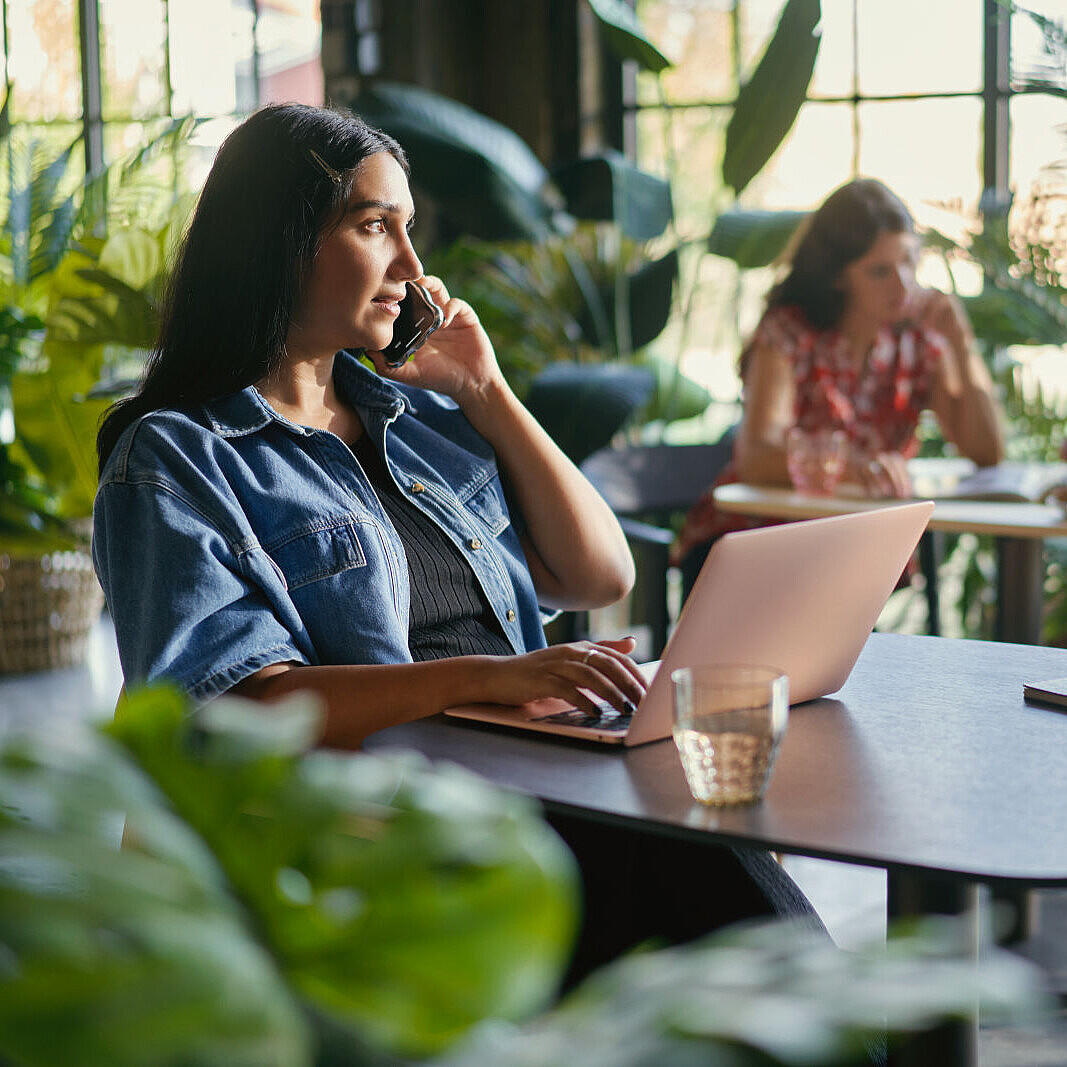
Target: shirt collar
[(246, 412)]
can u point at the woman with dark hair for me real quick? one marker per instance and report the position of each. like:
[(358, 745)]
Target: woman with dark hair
[(849, 342), (274, 515), (284, 498)]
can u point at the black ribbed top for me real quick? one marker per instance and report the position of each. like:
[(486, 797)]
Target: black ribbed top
[(450, 615)]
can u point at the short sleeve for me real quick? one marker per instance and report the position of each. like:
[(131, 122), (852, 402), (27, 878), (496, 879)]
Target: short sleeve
[(188, 606), (781, 328)]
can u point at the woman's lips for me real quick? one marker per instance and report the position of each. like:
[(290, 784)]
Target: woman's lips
[(389, 306)]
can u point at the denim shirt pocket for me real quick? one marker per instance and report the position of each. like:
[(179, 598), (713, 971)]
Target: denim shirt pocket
[(311, 555), (486, 503)]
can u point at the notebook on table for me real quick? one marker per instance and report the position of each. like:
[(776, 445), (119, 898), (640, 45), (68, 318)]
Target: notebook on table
[(800, 596)]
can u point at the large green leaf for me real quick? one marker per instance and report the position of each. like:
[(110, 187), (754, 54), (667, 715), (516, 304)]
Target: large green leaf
[(275, 906), (649, 294), (115, 957), (772, 993), (676, 396), (56, 420), (753, 238), (484, 178), (768, 103), (401, 902), (607, 186), (623, 32)]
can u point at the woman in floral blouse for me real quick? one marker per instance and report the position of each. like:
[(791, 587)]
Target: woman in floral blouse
[(849, 342)]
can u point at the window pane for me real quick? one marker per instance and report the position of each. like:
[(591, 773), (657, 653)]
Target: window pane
[(206, 66), (757, 20), (1038, 137), (815, 157), (133, 46), (928, 151), (43, 60), (834, 64), (289, 37), (696, 138), (919, 46), (696, 36)]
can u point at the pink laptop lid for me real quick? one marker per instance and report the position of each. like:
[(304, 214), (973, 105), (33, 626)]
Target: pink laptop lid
[(800, 596)]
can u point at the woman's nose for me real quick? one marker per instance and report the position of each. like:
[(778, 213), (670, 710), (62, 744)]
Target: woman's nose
[(408, 264)]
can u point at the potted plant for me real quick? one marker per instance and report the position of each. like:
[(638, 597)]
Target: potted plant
[(79, 282), (278, 905)]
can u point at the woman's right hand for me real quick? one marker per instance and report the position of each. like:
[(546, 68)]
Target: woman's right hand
[(569, 672), (882, 474)]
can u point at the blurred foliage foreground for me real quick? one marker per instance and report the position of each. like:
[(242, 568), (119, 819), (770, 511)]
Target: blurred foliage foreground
[(276, 905)]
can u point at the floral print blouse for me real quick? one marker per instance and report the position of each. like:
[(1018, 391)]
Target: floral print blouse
[(878, 406)]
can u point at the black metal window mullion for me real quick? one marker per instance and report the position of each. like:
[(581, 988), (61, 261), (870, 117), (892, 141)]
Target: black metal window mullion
[(996, 94), (92, 86)]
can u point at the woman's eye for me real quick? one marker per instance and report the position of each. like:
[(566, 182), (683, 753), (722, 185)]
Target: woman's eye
[(377, 226)]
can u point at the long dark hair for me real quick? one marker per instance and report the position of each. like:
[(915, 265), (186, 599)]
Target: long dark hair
[(839, 232), (279, 181)]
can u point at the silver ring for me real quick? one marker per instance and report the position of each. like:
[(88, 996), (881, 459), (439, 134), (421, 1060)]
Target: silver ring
[(588, 652)]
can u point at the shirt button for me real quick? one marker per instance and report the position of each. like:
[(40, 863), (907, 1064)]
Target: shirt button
[(474, 543), (418, 487), (511, 616)]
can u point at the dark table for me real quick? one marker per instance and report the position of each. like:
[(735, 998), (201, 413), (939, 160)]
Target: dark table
[(928, 763)]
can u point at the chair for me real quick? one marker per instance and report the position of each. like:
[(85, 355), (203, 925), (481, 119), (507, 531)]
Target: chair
[(647, 486), (583, 406)]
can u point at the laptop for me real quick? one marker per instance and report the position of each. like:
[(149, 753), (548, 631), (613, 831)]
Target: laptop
[(800, 596)]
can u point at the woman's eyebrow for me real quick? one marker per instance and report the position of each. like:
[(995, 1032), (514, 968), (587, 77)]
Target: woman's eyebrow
[(378, 205)]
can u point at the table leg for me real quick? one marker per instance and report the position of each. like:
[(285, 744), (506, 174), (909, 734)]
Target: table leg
[(1020, 603), (1020, 589), (953, 1044)]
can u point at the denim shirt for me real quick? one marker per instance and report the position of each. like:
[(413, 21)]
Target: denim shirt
[(227, 538)]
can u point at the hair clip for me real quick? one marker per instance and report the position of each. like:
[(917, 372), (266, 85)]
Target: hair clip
[(333, 175)]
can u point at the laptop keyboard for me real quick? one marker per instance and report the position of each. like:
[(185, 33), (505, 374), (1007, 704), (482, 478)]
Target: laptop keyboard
[(606, 718)]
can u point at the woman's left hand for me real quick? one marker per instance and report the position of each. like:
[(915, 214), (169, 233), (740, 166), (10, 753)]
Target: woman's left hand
[(458, 356)]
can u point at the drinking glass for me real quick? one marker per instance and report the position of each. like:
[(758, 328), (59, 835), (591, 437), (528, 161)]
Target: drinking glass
[(728, 721), (816, 459)]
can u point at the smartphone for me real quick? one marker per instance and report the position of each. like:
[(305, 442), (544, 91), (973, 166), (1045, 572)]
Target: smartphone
[(419, 317)]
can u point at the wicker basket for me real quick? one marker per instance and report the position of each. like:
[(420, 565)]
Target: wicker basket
[(48, 605)]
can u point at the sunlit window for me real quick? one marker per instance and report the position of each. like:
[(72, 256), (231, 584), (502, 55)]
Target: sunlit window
[(216, 59)]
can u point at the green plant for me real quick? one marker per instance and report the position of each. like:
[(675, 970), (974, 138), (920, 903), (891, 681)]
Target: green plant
[(79, 282), (280, 906)]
